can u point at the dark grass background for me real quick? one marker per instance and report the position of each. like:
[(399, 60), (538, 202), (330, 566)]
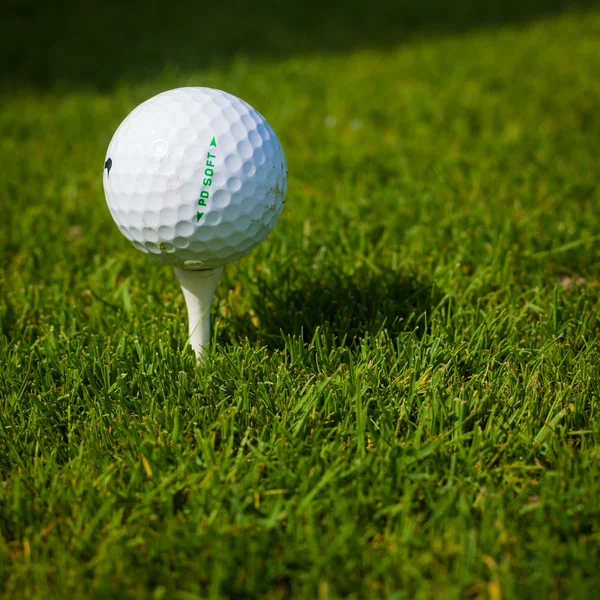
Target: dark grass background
[(101, 42)]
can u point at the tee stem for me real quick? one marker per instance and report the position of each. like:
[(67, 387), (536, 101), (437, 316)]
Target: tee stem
[(198, 289)]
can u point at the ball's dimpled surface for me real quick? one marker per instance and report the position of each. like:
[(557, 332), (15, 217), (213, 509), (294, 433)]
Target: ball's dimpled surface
[(195, 177)]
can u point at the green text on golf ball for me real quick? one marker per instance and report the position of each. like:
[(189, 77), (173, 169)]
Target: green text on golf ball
[(209, 171)]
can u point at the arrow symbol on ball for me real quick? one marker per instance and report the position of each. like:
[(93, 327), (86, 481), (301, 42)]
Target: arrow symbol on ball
[(198, 216), (213, 143)]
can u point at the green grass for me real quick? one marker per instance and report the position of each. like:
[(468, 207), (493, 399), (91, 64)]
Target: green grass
[(403, 397)]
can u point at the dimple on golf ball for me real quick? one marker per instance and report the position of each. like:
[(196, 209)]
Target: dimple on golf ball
[(195, 177)]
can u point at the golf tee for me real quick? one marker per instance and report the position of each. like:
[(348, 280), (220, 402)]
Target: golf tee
[(198, 289)]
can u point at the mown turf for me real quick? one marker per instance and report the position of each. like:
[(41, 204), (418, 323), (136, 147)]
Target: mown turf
[(402, 400)]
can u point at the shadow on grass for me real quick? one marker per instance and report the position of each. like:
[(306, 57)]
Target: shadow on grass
[(338, 306), (99, 43)]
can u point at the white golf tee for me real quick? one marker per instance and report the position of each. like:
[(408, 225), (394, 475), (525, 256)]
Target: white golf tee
[(198, 290)]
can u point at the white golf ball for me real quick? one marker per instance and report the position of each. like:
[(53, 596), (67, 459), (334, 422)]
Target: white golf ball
[(195, 177)]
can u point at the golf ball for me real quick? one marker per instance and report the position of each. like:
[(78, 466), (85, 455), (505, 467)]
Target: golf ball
[(195, 177)]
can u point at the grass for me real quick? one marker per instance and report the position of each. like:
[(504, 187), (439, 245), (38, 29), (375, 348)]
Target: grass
[(402, 400)]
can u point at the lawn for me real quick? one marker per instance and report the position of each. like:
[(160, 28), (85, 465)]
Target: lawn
[(402, 398)]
